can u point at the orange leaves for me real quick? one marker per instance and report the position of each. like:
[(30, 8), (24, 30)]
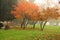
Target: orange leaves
[(31, 10), (23, 5), (16, 15), (25, 8), (53, 13), (34, 7)]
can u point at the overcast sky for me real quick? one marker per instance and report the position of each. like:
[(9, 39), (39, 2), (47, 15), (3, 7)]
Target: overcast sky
[(44, 2), (51, 3)]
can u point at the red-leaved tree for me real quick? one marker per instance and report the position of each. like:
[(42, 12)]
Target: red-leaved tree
[(25, 10)]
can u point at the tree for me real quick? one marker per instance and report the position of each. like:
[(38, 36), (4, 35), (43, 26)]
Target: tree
[(48, 14), (25, 11), (5, 8)]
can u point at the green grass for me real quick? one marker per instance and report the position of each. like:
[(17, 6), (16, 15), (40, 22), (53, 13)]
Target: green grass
[(49, 33)]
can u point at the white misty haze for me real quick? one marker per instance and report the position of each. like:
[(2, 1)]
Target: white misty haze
[(46, 3), (50, 3)]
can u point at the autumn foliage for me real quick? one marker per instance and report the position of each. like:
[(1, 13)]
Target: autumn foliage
[(49, 13), (25, 8), (31, 11)]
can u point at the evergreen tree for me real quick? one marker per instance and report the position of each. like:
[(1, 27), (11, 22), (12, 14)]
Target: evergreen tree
[(5, 8)]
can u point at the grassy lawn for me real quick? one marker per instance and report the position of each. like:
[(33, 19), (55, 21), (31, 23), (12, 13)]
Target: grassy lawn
[(49, 33)]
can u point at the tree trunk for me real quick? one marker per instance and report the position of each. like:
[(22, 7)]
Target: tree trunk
[(41, 26), (6, 27), (21, 25), (23, 22), (44, 24), (33, 26), (24, 26), (0, 27)]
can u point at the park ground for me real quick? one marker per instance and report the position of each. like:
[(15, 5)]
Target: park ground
[(49, 33)]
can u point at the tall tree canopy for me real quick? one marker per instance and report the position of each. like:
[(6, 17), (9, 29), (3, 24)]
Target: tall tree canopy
[(5, 8), (25, 9)]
